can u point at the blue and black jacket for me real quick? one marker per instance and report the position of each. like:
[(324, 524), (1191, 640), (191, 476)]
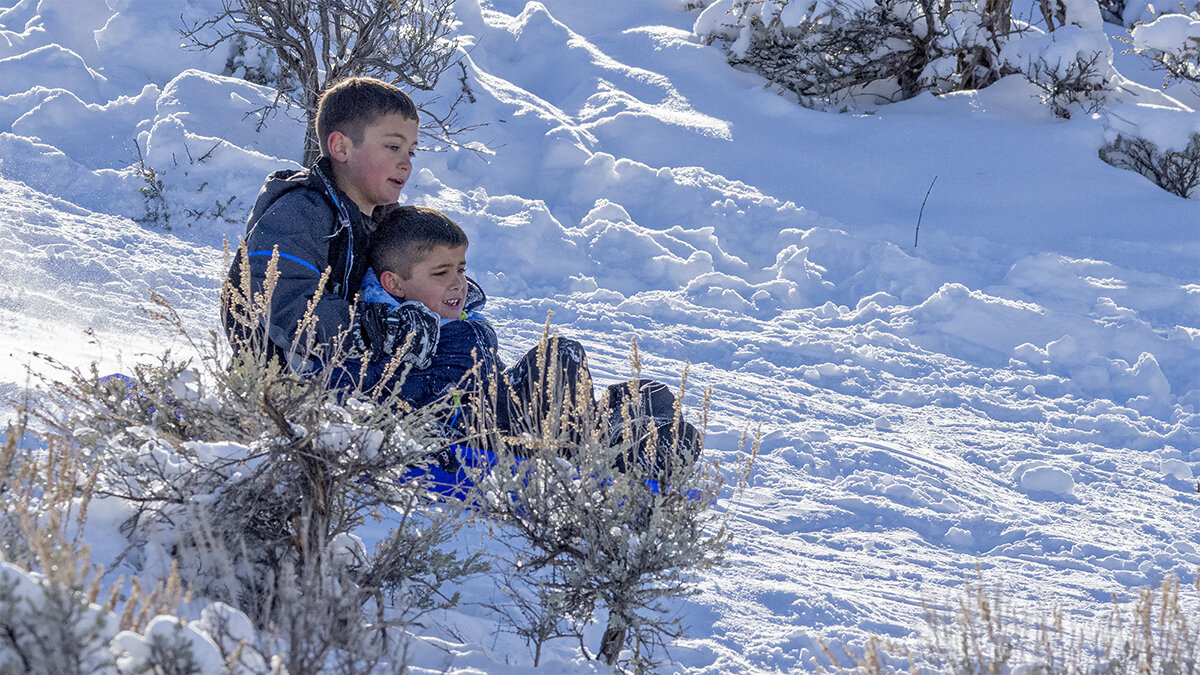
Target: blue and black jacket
[(314, 225), (466, 346)]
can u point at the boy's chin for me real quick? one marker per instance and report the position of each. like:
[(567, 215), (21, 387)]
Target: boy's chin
[(454, 312)]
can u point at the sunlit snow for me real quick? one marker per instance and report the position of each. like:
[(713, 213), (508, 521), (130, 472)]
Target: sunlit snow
[(1018, 389)]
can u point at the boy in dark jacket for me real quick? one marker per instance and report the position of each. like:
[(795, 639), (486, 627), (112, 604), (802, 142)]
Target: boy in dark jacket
[(418, 255), (317, 223)]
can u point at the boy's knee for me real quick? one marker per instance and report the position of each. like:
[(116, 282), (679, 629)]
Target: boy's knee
[(645, 414), (640, 398), (569, 349)]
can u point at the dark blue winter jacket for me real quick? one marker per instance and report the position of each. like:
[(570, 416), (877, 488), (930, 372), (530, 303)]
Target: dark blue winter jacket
[(314, 225), (462, 343)]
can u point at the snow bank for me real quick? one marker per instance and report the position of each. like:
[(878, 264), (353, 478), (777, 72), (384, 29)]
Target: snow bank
[(98, 645), (1022, 389)]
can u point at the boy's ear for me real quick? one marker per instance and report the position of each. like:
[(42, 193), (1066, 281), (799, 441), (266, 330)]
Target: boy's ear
[(391, 283), (339, 146)]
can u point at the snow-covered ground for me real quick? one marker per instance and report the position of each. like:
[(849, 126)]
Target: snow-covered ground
[(1019, 390)]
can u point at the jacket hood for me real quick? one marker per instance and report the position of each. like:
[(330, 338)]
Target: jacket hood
[(319, 179)]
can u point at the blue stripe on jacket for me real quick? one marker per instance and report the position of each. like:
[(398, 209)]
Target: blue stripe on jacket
[(287, 256)]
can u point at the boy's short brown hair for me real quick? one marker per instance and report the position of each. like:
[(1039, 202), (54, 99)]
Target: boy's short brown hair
[(354, 103), (404, 234)]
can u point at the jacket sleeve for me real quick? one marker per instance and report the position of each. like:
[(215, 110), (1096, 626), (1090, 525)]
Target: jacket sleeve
[(299, 223)]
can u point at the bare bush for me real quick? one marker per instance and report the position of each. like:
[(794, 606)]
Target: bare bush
[(1176, 171), (1080, 82), (317, 43), (534, 607), (593, 527), (984, 633), (256, 477)]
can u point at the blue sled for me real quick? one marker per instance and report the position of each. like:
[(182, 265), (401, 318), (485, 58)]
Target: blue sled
[(458, 484)]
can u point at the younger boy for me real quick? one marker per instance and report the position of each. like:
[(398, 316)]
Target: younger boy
[(419, 256), (318, 219)]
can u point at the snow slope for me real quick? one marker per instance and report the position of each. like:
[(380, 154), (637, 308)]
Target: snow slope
[(1020, 390)]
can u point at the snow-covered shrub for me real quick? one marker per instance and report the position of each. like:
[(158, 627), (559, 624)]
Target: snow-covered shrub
[(585, 536), (254, 480), (52, 619), (257, 63), (53, 624), (50, 625), (1130, 13), (49, 622), (833, 53), (1069, 57), (1176, 171), (827, 52), (1080, 82), (1172, 45), (830, 52), (151, 190)]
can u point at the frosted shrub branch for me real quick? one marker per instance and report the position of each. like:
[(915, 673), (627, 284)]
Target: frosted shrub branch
[(841, 54), (255, 479), (316, 43)]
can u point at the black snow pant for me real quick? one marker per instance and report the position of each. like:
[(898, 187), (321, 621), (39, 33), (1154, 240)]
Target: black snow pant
[(549, 395)]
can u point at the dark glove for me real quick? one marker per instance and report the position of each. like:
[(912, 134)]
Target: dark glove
[(384, 329)]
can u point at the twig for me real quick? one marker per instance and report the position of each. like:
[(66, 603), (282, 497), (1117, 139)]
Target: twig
[(922, 213)]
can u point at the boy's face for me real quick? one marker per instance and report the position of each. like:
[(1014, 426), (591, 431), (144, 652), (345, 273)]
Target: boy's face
[(438, 281), (373, 171)]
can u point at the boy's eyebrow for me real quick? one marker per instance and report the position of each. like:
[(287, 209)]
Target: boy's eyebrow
[(457, 264)]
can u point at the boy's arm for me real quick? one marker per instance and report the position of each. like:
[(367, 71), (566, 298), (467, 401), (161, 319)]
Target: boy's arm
[(384, 324), (298, 223), (387, 328)]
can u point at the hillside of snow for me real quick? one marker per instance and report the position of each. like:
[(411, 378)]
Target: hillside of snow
[(1019, 390)]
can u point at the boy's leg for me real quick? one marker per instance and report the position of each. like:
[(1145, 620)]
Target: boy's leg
[(465, 364), (547, 394), (645, 413)]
